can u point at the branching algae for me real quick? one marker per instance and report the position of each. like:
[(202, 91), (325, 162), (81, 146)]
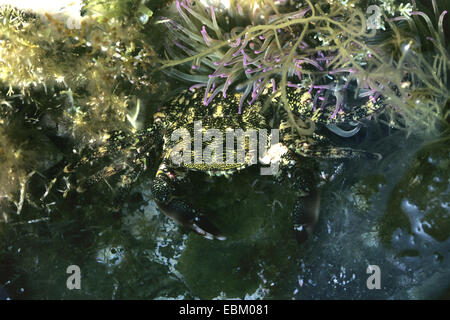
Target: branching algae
[(75, 81), (325, 46), (254, 45)]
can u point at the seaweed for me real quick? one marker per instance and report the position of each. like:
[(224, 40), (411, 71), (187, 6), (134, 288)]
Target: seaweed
[(71, 82), (413, 75), (259, 44), (323, 46)]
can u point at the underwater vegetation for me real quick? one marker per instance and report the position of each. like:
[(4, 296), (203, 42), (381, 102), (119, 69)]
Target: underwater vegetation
[(64, 89), (413, 75), (427, 217), (71, 82), (325, 46), (258, 44), (94, 67)]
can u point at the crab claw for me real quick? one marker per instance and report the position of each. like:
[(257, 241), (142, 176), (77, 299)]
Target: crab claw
[(183, 214), (180, 211)]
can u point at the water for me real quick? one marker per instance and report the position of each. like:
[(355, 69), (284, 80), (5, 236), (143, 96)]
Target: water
[(393, 213)]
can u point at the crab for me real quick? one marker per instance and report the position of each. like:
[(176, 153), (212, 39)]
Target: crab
[(295, 156)]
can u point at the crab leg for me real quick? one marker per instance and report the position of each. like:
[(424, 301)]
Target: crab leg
[(305, 215)]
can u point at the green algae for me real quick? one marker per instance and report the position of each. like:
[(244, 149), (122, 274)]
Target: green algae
[(70, 84), (424, 186), (259, 234)]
